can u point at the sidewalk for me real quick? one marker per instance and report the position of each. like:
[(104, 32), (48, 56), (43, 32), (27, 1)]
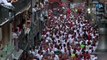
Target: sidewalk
[(15, 55), (6, 51)]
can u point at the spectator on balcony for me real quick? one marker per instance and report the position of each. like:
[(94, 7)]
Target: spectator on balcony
[(6, 4), (15, 39)]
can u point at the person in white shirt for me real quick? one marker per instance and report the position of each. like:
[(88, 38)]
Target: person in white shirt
[(15, 36), (76, 42), (56, 57), (94, 48), (94, 57), (55, 49), (6, 4), (86, 42), (32, 51), (78, 52), (70, 40), (71, 50), (93, 36), (15, 39), (45, 2), (69, 35), (39, 55), (48, 33), (90, 50), (62, 50), (49, 39)]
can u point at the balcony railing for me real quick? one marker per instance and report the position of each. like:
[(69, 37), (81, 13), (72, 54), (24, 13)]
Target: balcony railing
[(7, 14), (22, 40), (4, 14)]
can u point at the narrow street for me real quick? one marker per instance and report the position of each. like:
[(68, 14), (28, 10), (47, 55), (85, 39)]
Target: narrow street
[(53, 29)]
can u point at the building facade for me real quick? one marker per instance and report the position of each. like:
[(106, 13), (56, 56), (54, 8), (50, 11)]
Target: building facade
[(12, 20)]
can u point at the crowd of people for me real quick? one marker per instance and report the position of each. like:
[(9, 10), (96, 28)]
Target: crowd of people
[(66, 37)]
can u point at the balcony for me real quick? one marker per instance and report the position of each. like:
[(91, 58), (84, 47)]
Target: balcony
[(7, 14), (9, 49), (22, 41)]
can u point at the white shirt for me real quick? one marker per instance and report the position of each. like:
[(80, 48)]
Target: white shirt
[(90, 51), (34, 9), (48, 38), (56, 57), (94, 58), (70, 40), (5, 2), (41, 5), (48, 33), (64, 16), (36, 51), (0, 1), (69, 35), (32, 52), (39, 56), (78, 52), (76, 42), (92, 35), (63, 50), (27, 30), (55, 49), (77, 35), (44, 51), (57, 27), (71, 50), (77, 22), (61, 32), (15, 35), (54, 35), (94, 48), (87, 47), (80, 42), (86, 42)]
